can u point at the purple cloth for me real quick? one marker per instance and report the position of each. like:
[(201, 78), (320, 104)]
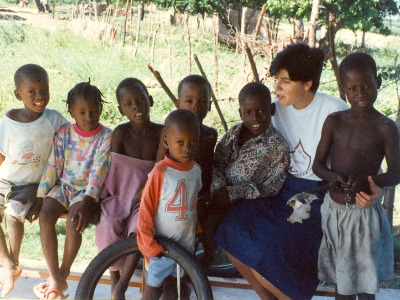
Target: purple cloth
[(120, 200)]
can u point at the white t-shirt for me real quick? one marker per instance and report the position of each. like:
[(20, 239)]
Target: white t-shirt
[(27, 146), (302, 130)]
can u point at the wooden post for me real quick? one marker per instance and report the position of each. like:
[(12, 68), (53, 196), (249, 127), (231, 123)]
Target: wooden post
[(125, 20), (153, 44), (242, 41), (189, 46), (140, 8), (53, 12), (163, 84), (256, 78), (215, 39), (259, 21), (221, 116)]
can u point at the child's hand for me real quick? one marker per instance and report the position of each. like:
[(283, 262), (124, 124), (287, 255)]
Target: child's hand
[(338, 182), (33, 212), (164, 251), (84, 213), (365, 200)]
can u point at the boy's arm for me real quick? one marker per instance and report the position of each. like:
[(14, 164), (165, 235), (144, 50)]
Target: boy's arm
[(321, 156), (162, 151), (221, 161), (365, 200), (2, 158), (116, 141), (218, 187), (53, 169), (392, 156), (148, 208), (99, 169)]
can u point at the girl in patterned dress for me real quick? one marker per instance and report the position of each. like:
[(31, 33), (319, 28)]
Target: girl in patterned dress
[(71, 183)]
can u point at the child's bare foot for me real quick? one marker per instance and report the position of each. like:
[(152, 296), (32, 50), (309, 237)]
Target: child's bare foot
[(10, 275)]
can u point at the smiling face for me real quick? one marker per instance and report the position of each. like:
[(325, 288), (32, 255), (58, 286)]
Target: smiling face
[(33, 91), (290, 92), (255, 113), (361, 88), (196, 98), (182, 141), (135, 103), (86, 113)]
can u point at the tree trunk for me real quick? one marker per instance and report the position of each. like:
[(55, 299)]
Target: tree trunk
[(363, 40), (298, 29), (313, 23), (39, 6), (332, 54)]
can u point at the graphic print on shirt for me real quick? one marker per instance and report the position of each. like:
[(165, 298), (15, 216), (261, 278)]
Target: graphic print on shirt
[(300, 158), (26, 153), (178, 202)]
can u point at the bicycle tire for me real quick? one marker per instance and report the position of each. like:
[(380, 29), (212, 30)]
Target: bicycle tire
[(127, 246)]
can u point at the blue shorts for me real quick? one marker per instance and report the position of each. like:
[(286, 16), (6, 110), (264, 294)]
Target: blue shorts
[(159, 269)]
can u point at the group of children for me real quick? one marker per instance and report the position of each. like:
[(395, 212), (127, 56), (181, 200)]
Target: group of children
[(111, 178)]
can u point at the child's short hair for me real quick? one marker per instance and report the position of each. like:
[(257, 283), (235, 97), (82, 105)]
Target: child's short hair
[(29, 70), (301, 62), (181, 117), (86, 91), (255, 89), (194, 79), (358, 61), (129, 82)]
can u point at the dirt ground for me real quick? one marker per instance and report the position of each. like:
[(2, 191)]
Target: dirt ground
[(31, 16)]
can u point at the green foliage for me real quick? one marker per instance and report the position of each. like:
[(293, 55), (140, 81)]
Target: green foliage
[(289, 9), (360, 14), (11, 33)]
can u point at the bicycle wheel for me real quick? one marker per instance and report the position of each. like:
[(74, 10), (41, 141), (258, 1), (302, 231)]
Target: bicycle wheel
[(122, 248)]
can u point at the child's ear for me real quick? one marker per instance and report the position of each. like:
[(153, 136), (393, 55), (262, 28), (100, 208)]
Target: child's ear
[(379, 81), (165, 142), (151, 101), (273, 108), (120, 110), (240, 114), (177, 103), (17, 95)]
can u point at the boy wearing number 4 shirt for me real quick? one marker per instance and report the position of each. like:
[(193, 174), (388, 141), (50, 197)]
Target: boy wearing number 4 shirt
[(168, 205)]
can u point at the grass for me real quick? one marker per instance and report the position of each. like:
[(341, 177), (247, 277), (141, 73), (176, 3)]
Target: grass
[(70, 59)]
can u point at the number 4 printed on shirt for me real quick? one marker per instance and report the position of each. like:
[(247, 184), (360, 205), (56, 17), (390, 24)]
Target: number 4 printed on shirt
[(177, 203)]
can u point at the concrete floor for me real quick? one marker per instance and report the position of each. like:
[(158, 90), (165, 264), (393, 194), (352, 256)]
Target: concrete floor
[(24, 290)]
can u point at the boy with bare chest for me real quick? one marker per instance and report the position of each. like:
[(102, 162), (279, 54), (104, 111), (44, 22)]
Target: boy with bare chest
[(357, 249)]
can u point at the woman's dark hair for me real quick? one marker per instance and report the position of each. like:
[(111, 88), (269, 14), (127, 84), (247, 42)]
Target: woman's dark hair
[(87, 92), (301, 62), (128, 83)]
